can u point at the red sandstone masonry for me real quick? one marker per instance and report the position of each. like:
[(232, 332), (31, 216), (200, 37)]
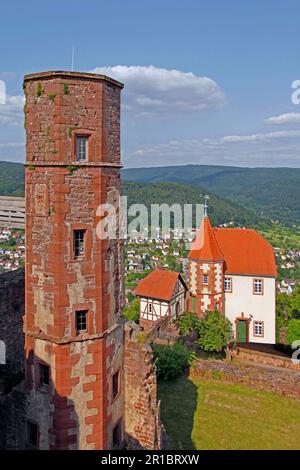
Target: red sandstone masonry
[(63, 195), (142, 412)]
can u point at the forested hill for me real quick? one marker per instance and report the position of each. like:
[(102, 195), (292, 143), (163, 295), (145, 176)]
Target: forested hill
[(11, 179), (265, 192), (274, 192), (220, 210)]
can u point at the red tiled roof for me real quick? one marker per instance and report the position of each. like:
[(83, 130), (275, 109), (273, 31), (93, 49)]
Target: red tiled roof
[(205, 245), (244, 251), (159, 284)]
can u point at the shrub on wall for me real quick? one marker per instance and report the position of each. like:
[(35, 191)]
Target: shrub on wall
[(132, 311), (171, 361), (293, 331)]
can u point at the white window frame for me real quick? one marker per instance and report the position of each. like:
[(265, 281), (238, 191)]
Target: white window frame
[(258, 329), (258, 286), (82, 148), (228, 284), (205, 279)]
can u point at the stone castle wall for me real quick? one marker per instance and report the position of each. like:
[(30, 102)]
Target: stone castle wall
[(142, 411), (12, 287), (258, 376)]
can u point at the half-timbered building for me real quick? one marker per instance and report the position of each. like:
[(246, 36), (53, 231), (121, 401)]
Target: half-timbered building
[(161, 293)]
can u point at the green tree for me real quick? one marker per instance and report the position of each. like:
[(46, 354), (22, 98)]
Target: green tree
[(132, 311), (293, 331), (295, 304), (187, 323), (171, 361), (130, 297), (215, 333)]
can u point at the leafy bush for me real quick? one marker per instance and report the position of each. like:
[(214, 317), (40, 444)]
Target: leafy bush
[(171, 361), (293, 331), (130, 297), (187, 323), (215, 332), (132, 311), (279, 325)]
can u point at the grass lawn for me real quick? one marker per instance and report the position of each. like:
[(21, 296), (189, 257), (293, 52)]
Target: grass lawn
[(208, 414)]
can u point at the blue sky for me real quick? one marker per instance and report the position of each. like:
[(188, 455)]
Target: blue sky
[(206, 82)]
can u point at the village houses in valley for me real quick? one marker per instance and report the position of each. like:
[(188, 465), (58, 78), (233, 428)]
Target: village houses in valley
[(232, 270)]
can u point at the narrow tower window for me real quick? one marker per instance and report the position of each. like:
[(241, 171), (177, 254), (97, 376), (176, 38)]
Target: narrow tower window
[(79, 236), (205, 279), (81, 148), (116, 384), (81, 323), (44, 374), (32, 434)]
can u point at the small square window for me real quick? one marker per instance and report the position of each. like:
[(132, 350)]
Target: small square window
[(205, 279), (44, 374), (32, 434), (79, 243), (116, 384), (81, 323), (258, 328), (258, 286), (81, 148)]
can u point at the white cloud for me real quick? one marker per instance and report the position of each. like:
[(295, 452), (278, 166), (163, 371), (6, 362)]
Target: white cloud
[(154, 90), (260, 136), (11, 113), (288, 118), (271, 149)]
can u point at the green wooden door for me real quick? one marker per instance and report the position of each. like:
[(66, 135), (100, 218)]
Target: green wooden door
[(242, 331)]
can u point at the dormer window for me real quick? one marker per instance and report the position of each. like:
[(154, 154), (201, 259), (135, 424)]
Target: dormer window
[(81, 148)]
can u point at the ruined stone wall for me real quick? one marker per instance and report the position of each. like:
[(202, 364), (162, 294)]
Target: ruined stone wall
[(12, 419), (260, 377), (142, 412), (12, 300), (265, 358)]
